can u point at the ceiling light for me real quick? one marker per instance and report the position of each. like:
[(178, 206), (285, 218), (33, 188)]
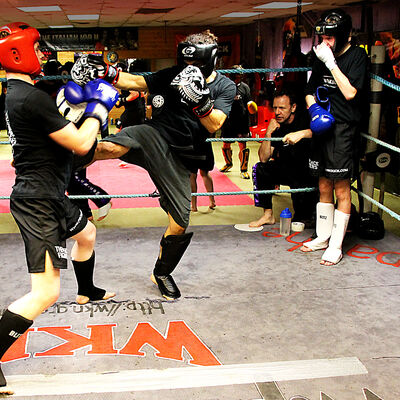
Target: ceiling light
[(83, 17), (241, 14), (280, 4), (60, 26), (39, 9)]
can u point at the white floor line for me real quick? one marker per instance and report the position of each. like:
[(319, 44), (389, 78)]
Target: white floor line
[(185, 377)]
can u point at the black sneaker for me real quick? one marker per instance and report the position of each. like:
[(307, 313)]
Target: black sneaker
[(167, 286)]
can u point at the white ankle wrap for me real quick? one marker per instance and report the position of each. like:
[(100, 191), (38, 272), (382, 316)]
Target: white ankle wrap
[(333, 253), (324, 224), (340, 223)]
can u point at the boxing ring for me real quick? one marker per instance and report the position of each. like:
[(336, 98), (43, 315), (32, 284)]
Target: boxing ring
[(258, 319)]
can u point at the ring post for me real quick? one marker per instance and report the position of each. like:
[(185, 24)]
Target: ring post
[(377, 61)]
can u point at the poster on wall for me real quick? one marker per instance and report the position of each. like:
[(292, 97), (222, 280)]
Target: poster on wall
[(89, 39), (391, 41)]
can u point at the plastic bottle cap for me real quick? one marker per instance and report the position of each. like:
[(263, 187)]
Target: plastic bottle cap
[(286, 213)]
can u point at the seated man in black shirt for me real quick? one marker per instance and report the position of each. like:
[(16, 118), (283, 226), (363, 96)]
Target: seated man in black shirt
[(285, 162)]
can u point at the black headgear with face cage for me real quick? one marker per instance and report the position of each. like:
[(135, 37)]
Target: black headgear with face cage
[(335, 23), (203, 55)]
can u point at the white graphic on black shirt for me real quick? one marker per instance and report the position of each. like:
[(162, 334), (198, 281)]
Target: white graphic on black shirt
[(158, 101), (10, 132), (329, 81)]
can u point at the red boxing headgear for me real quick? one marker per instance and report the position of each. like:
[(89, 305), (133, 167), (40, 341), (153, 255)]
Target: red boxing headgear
[(17, 52)]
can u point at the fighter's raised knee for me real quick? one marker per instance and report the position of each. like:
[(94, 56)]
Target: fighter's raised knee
[(109, 150)]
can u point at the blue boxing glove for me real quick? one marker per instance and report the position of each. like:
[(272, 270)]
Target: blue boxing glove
[(102, 91), (70, 102), (101, 98), (321, 120), (74, 93)]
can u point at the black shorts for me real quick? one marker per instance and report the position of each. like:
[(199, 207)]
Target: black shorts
[(150, 150), (45, 224), (334, 155), (235, 129), (208, 163)]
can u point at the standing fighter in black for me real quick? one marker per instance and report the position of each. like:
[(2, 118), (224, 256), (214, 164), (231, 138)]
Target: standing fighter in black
[(134, 103), (42, 143), (337, 83), (190, 101), (237, 125)]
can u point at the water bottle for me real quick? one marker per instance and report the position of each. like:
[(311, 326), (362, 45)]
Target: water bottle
[(285, 221)]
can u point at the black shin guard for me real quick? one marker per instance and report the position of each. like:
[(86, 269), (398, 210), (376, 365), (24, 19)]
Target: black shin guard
[(227, 153), (3, 381), (12, 326), (172, 249), (84, 276), (244, 159)]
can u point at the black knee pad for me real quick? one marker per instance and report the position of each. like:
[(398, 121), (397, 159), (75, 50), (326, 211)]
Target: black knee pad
[(172, 249)]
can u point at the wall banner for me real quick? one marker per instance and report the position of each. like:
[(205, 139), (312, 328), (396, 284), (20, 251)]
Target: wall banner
[(89, 39)]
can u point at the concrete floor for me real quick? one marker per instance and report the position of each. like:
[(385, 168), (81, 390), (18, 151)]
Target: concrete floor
[(257, 319)]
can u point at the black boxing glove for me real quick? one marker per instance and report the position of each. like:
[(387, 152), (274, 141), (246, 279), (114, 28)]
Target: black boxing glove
[(89, 67), (193, 90)]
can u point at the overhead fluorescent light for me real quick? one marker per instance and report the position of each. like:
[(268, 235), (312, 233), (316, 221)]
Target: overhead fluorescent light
[(280, 4), (241, 14), (60, 26), (83, 17), (39, 9)]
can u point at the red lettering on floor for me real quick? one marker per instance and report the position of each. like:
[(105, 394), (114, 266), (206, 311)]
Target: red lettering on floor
[(356, 248), (100, 340), (178, 336), (18, 350), (379, 257), (299, 244), (271, 234)]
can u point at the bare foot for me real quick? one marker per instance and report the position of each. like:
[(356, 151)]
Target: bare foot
[(305, 249), (262, 221), (5, 390), (330, 263), (84, 299), (212, 205), (193, 209), (103, 211)]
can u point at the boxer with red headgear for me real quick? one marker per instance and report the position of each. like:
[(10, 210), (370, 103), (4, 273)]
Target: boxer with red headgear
[(17, 49), (43, 143)]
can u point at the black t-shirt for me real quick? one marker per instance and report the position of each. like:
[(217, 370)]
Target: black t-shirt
[(2, 109), (42, 166), (293, 157), (176, 122), (239, 120), (135, 110), (353, 64)]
